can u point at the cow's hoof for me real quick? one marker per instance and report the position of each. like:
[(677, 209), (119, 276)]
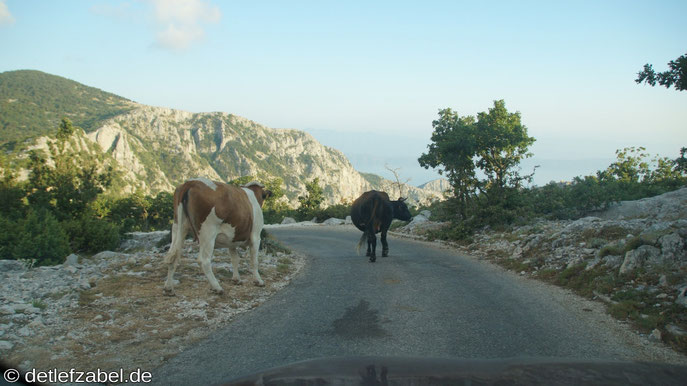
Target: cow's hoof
[(259, 283), (372, 259), (168, 292), (237, 281), (385, 253), (218, 291)]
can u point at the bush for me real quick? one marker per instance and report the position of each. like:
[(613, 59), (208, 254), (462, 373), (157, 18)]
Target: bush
[(334, 211), (9, 231), (91, 234), (42, 238)]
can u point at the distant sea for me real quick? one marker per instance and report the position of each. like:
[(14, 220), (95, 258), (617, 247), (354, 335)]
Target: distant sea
[(371, 152)]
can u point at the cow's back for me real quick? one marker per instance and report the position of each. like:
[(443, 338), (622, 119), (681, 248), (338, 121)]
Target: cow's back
[(230, 203), (370, 204)]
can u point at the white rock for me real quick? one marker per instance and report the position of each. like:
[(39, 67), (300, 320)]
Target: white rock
[(11, 266), (71, 260), (637, 257), (682, 297), (5, 345), (288, 220), (673, 247), (6, 310), (333, 221)]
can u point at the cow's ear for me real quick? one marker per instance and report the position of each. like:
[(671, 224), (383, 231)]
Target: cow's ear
[(401, 199)]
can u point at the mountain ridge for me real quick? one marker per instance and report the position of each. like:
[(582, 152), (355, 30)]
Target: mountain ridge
[(159, 147)]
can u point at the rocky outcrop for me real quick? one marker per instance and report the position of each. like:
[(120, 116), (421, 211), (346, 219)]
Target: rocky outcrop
[(158, 148), (668, 206), (632, 256), (440, 185)]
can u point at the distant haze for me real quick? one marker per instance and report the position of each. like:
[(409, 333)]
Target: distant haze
[(382, 68), (370, 151)]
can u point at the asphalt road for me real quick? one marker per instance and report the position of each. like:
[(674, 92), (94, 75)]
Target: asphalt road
[(422, 301)]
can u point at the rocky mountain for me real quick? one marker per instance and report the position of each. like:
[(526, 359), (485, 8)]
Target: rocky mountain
[(157, 148), (439, 185)]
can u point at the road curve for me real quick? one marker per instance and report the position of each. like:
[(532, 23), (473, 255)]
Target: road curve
[(422, 301)]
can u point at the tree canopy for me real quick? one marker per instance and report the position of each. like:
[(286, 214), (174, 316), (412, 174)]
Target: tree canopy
[(675, 76), (495, 142)]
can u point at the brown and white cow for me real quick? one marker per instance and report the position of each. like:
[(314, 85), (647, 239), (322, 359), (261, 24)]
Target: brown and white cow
[(220, 216)]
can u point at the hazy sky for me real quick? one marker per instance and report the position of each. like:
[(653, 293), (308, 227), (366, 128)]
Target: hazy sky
[(368, 77)]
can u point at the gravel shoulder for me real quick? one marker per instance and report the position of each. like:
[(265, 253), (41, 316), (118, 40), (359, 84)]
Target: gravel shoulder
[(108, 311)]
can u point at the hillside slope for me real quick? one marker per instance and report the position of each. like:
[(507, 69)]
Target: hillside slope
[(33, 103), (158, 148)]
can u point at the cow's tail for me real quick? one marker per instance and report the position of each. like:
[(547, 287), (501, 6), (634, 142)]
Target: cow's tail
[(360, 243), (184, 205), (178, 232)]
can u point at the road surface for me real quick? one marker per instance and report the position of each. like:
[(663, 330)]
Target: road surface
[(422, 301)]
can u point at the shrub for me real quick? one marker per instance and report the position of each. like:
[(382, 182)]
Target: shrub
[(9, 231), (42, 238), (91, 234), (334, 211)]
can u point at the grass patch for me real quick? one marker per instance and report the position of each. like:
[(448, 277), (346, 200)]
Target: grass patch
[(270, 245), (39, 304), (285, 261), (612, 232), (612, 250), (397, 224), (584, 282)]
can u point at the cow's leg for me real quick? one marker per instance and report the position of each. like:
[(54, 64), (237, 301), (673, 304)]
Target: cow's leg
[(372, 244), (254, 247), (179, 232), (385, 244), (236, 277), (207, 246)]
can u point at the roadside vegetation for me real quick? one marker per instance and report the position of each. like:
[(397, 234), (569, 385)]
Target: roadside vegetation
[(70, 204)]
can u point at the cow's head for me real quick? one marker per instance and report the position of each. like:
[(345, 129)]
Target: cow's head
[(401, 211), (261, 194)]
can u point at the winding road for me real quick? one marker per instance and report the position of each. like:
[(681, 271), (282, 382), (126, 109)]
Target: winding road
[(422, 301)]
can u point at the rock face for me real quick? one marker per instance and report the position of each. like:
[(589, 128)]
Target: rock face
[(667, 207), (440, 185), (158, 148)]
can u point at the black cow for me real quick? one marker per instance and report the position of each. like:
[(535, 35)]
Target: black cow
[(372, 213)]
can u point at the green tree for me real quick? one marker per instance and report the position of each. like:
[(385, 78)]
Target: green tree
[(453, 149), (675, 76), (131, 212), (314, 195), (41, 238), (681, 162), (11, 193), (71, 182), (65, 130), (494, 143), (161, 212), (631, 165), (502, 142)]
